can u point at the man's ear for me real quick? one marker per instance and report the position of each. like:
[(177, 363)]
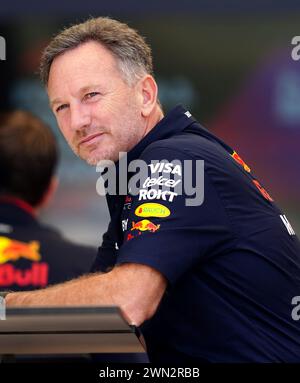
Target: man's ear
[(49, 193), (148, 91)]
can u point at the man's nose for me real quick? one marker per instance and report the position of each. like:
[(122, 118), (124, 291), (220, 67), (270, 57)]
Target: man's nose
[(80, 117)]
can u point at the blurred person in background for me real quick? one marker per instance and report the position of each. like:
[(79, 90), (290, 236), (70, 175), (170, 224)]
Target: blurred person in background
[(210, 282), (32, 255)]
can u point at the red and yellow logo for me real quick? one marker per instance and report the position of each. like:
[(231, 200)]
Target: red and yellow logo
[(239, 160), (145, 225), (11, 250), (152, 210), (263, 191)]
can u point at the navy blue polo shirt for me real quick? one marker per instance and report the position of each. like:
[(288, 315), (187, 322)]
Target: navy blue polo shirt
[(232, 261)]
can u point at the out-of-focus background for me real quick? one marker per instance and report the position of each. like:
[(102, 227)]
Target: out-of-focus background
[(228, 61)]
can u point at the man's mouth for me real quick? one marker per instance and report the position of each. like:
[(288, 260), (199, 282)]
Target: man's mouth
[(89, 139)]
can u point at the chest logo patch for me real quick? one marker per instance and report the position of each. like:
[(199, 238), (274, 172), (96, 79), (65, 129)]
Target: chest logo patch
[(152, 210), (145, 225)]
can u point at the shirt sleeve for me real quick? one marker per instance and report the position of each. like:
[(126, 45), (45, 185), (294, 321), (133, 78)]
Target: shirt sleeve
[(163, 230), (107, 252)]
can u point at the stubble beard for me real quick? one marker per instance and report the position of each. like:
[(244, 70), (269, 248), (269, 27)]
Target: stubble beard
[(110, 152)]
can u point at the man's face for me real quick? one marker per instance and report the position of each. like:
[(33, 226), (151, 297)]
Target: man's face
[(97, 112)]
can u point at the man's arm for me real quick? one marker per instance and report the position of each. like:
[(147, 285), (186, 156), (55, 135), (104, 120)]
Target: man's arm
[(137, 289)]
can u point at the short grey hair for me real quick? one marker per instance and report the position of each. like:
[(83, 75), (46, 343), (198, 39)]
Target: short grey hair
[(133, 55)]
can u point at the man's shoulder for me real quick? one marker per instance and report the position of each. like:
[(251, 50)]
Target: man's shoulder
[(186, 144), (51, 238)]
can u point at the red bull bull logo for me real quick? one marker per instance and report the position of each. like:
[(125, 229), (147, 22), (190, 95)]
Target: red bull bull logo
[(11, 250), (145, 225), (238, 159)]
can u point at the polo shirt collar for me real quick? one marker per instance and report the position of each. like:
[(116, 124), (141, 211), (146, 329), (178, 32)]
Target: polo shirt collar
[(174, 122), (15, 214), (177, 120)]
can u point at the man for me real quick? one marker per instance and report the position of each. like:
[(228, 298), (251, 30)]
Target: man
[(209, 281), (32, 255)]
